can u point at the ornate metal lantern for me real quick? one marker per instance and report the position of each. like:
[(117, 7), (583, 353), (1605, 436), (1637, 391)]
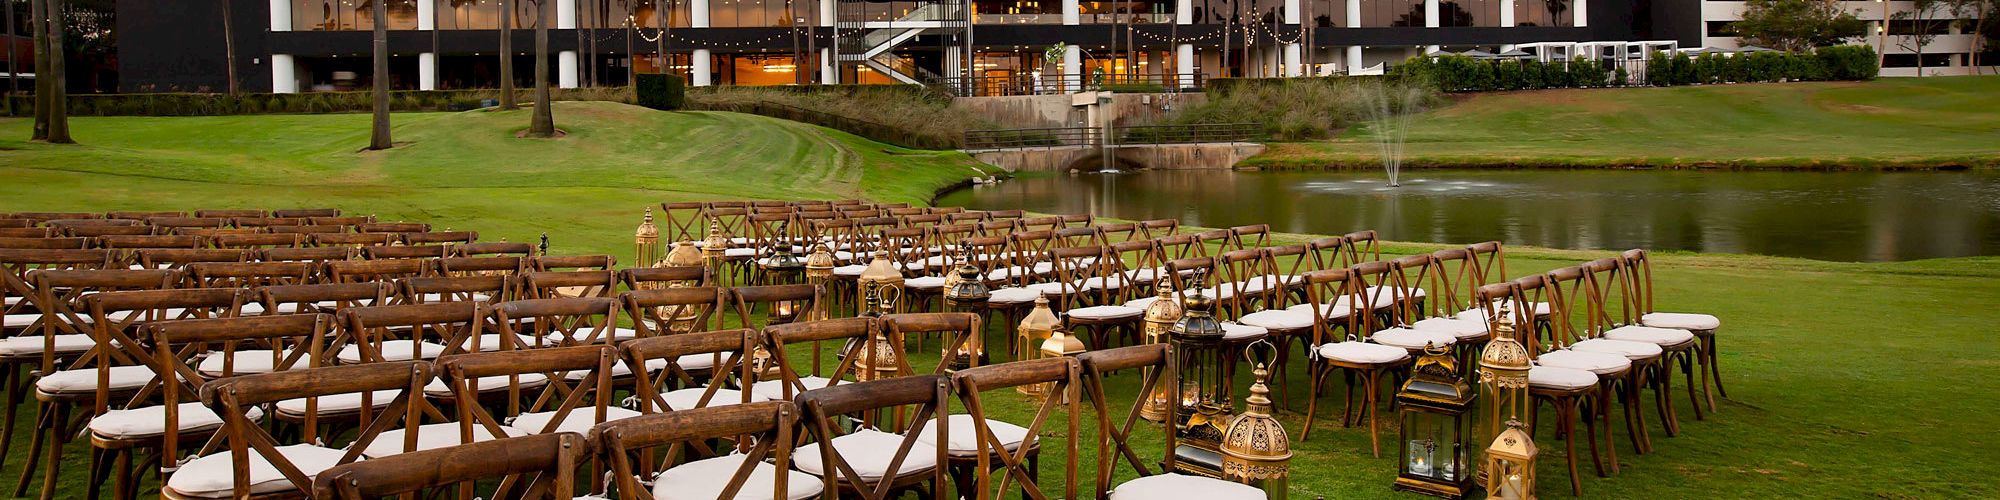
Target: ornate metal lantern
[(646, 239), (1060, 343), (1503, 376), (819, 269), (967, 293), (1435, 458), (1203, 394), (882, 275), (1041, 323), (1256, 450), (714, 248), (1510, 464), (1161, 315), (880, 358)]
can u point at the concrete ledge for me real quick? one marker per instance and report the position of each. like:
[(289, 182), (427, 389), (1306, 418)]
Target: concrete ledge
[(1204, 156)]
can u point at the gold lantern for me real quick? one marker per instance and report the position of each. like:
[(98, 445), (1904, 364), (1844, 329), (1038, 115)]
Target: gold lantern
[(1256, 450), (1503, 376), (882, 275), (647, 239), (1060, 343), (1435, 454), (714, 248), (880, 358), (1161, 315), (1510, 464), (819, 269), (1204, 390), (1041, 323)]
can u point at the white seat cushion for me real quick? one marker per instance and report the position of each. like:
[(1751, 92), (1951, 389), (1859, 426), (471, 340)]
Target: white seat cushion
[(1629, 349), (1560, 378), (212, 477), (1595, 362), (579, 420), (249, 361), (431, 437), (1142, 303), (489, 342), (774, 390), (85, 380), (739, 252), (1100, 283), (19, 320), (1684, 321), (1461, 329), (1363, 353), (1336, 310), (1412, 339), (439, 388), (152, 420), (338, 403), (690, 398), (618, 369), (850, 270), (1106, 312), (705, 479), (1181, 486), (924, 283), (32, 344), (1279, 319), (257, 309), (1404, 292), (1476, 314), (1651, 335), (868, 452), (1233, 331), (1046, 288), (1013, 296), (1145, 275), (394, 350), (692, 361), (964, 435), (441, 297)]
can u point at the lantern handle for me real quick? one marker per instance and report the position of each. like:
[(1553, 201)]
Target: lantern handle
[(1260, 353)]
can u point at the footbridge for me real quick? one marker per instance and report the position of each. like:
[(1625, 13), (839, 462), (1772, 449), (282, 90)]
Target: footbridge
[(1164, 147)]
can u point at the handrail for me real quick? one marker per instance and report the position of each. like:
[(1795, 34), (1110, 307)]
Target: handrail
[(1047, 137)]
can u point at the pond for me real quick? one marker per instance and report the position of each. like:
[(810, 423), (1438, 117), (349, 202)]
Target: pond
[(1844, 216)]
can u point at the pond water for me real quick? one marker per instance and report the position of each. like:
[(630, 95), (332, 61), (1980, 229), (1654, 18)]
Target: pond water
[(1847, 216)]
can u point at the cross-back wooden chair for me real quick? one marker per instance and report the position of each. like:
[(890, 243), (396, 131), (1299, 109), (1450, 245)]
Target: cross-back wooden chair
[(129, 214), (564, 284), (389, 252), (494, 249), (307, 230), (691, 370), (266, 223), (683, 221), (541, 395), (175, 223), (997, 227), (352, 239), (1214, 242), (1394, 292), (46, 243), (380, 333), (181, 258), (1285, 315), (323, 297), (1140, 262), (858, 335), (248, 461), (855, 463), (1028, 253), (432, 289), (559, 321), (919, 219), (258, 240), (316, 256), (1159, 228), (978, 445), (1116, 440), (492, 265), (1639, 276), (533, 467), (958, 332), (439, 238), (345, 221), (677, 311), (1099, 310), (1363, 246), (100, 231), (1334, 294), (1608, 292), (208, 233), (629, 446), (46, 217), (359, 271), (1078, 237), (151, 241), (548, 263), (1619, 374), (231, 213), (392, 227)]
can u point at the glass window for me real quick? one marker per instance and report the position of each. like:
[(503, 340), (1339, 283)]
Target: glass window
[(1392, 13), (1325, 13), (1468, 13), (1543, 13)]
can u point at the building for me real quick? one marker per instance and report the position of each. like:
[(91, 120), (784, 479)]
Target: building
[(1948, 52), (984, 46)]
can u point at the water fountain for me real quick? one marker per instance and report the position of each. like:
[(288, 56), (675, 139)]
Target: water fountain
[(1389, 109)]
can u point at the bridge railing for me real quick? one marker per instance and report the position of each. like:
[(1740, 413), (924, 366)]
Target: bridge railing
[(1188, 133), (1018, 138), (1021, 138)]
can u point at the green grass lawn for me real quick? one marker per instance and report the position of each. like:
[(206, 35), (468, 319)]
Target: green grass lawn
[(1847, 380), (1887, 122)]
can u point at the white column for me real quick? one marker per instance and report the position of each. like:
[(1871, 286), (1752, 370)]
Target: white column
[(566, 69), (281, 15), (1507, 13), (1354, 59), (1582, 12), (1184, 12), (284, 74), (698, 13), (426, 15), (1292, 67), (427, 76), (1293, 12), (1353, 13), (565, 14), (1184, 62), (700, 68), (826, 9), (1430, 13), (1072, 66), (954, 61), (1072, 13), (827, 73)]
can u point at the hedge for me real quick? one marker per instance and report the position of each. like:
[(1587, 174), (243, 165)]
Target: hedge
[(191, 104), (1454, 73), (662, 92)]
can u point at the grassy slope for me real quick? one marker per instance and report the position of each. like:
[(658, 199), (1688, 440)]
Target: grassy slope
[(1849, 380), (1895, 121)]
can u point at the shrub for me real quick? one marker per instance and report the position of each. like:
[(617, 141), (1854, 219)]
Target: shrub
[(662, 92), (1848, 62)]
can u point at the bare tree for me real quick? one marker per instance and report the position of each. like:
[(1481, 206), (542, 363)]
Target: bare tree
[(543, 124), (379, 138), (229, 45), (58, 95), (507, 56)]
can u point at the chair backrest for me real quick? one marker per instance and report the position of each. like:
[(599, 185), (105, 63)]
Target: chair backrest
[(859, 334), (97, 231), (494, 248), (425, 290), (564, 321), (308, 230), (455, 324), (451, 238), (1159, 228), (1215, 242), (1044, 223), (572, 263), (638, 278), (726, 366), (26, 232), (1363, 246), (268, 222), (630, 444), (317, 256), (1115, 438), (779, 304), (260, 240), (384, 252), (1061, 377), (147, 241), (1413, 274), (1078, 237), (538, 466), (323, 297), (1639, 275), (232, 213), (1251, 236), (928, 393), (485, 265), (683, 221), (962, 332), (114, 318), (666, 311), (997, 227), (1246, 277), (352, 239), (249, 274), (233, 397), (1189, 273), (1610, 293), (1116, 232), (180, 258), (16, 265), (346, 221), (357, 271), (1456, 283), (295, 341), (45, 243), (1077, 269), (1489, 261), (306, 212), (393, 227), (1325, 290), (564, 284), (550, 396)]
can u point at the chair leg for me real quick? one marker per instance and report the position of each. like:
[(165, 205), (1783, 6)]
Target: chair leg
[(59, 435), (97, 466), (1601, 410), (1566, 427), (1663, 385), (1312, 400), (1347, 400), (43, 412), (1714, 367), (122, 485), (13, 379), (1589, 432), (1368, 379)]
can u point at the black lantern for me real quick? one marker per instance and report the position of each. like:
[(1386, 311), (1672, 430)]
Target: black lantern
[(967, 293), (1203, 393), (1435, 401)]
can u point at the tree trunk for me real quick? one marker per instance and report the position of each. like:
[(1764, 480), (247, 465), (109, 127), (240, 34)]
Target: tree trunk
[(507, 56), (39, 32), (379, 138), (631, 46), (543, 124), (229, 46), (13, 68), (58, 92)]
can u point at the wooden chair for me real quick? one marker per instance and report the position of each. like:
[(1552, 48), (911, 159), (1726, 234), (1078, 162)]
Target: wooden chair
[(27, 232), (548, 263), (352, 239), (694, 370), (392, 227), (1452, 282), (1639, 277), (388, 252), (232, 213), (1091, 291), (683, 221), (629, 445), (496, 265), (1207, 243), (99, 231), (1121, 232), (564, 322), (1618, 374), (1608, 287), (857, 334), (568, 284), (442, 238), (539, 466), (330, 298), (45, 243), (426, 290), (249, 462), (870, 463), (1159, 228), (307, 230), (306, 212), (494, 248), (382, 333), (360, 271), (1574, 393), (151, 241), (345, 222), (960, 332), (555, 400), (1334, 294), (979, 444), (267, 223), (1389, 308), (315, 256), (1115, 440)]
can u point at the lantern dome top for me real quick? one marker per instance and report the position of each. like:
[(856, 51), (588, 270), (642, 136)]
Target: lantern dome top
[(647, 231), (1504, 354), (1164, 309)]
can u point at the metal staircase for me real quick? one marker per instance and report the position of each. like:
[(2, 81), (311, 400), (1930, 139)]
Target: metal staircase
[(862, 38)]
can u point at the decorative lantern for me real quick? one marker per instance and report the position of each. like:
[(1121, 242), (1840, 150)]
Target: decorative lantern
[(1510, 464), (1161, 315), (880, 359), (1041, 323), (714, 248), (1503, 376), (967, 293), (1255, 448), (1434, 401), (882, 275), (647, 240), (1060, 343), (1203, 394)]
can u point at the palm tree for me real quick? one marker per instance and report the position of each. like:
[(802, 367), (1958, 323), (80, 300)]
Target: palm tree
[(507, 56), (58, 99), (543, 124), (39, 31), (379, 138), (229, 46)]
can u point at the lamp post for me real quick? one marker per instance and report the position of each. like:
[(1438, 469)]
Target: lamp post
[(1041, 323), (1197, 340), (967, 292), (1161, 315), (1256, 450), (1436, 429)]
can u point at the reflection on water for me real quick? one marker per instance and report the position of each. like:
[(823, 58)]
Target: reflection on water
[(1854, 216)]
